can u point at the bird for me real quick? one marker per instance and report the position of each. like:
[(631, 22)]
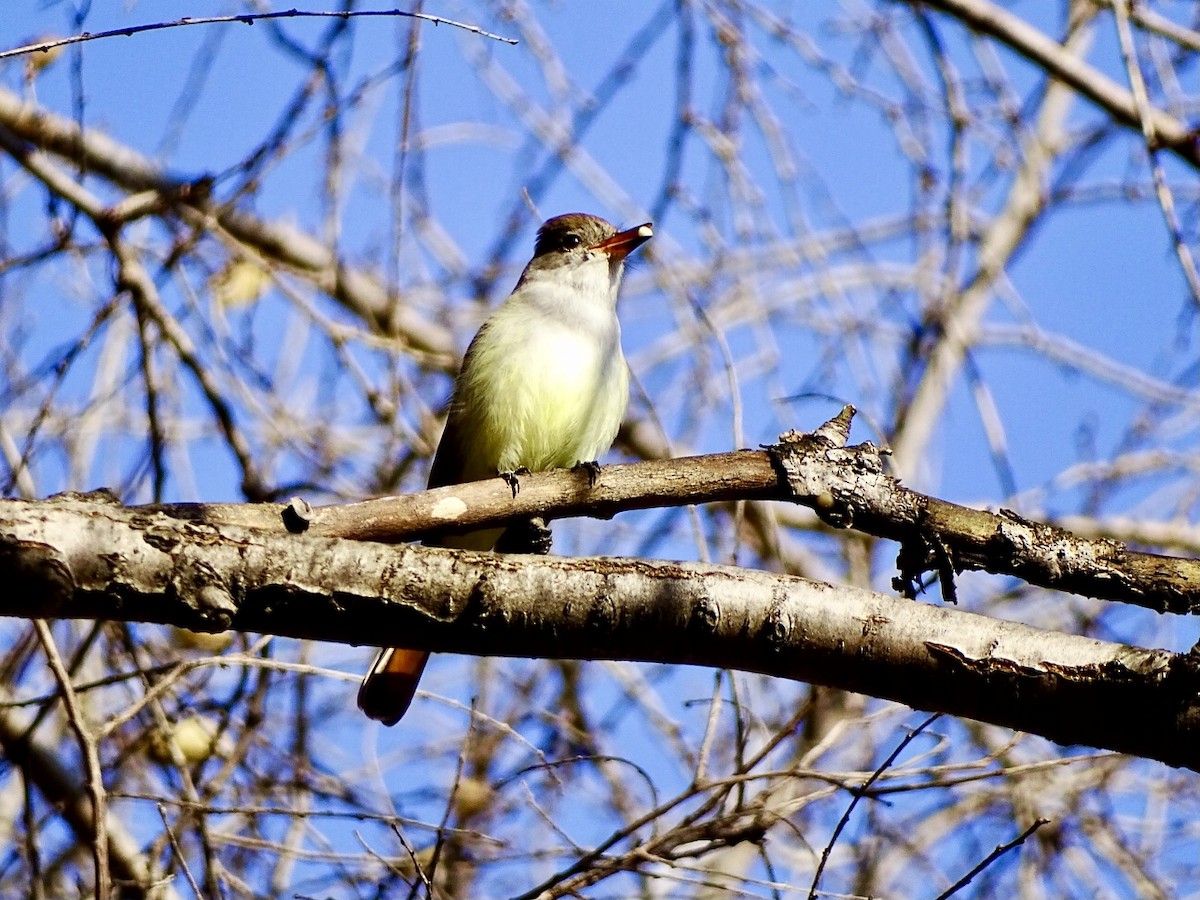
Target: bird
[(543, 385)]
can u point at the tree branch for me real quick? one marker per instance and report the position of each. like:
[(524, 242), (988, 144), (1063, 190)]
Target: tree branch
[(1049, 55), (63, 787), (845, 485), (156, 189), (83, 557), (243, 19)]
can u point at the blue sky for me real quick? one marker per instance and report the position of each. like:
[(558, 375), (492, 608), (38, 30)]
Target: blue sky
[(1097, 276)]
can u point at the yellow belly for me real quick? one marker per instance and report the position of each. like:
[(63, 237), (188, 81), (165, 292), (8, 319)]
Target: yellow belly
[(538, 398)]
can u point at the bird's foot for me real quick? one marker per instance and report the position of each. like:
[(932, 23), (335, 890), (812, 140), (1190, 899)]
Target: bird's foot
[(513, 482), (592, 468), (529, 536)]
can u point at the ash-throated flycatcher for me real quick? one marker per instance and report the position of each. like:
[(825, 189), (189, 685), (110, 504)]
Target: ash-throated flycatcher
[(544, 385)]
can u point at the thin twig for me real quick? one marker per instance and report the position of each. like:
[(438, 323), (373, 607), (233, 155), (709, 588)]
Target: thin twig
[(187, 873), (1061, 63), (858, 795), (710, 730), (443, 831), (992, 857), (1145, 109), (91, 758), (247, 19)]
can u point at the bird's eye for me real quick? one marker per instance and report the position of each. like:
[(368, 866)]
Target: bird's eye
[(571, 241)]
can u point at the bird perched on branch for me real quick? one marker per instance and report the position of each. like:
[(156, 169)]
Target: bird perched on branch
[(544, 385)]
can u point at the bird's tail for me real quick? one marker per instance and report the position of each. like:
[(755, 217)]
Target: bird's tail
[(390, 683), (389, 686)]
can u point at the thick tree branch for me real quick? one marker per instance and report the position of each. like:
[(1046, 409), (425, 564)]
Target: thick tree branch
[(845, 485), (80, 557)]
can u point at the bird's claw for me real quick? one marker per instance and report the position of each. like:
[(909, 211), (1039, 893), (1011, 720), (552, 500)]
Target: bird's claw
[(513, 482), (592, 468)]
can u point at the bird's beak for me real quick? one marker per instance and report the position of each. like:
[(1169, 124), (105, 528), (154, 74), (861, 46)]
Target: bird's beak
[(621, 244)]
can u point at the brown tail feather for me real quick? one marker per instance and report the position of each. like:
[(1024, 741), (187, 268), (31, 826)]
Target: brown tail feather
[(391, 683), (392, 679)]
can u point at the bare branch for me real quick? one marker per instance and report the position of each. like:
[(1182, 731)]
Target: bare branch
[(300, 252), (43, 766), (90, 751), (845, 485), (992, 857), (78, 558), (1067, 67), (245, 19)]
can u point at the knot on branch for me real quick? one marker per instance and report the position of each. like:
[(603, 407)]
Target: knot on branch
[(847, 487), (818, 466)]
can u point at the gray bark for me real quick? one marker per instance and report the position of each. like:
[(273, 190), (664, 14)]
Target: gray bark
[(89, 557)]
